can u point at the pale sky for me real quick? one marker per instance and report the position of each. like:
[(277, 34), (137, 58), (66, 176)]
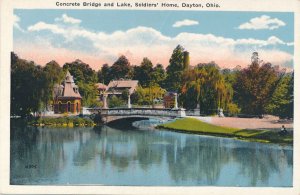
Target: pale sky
[(101, 36)]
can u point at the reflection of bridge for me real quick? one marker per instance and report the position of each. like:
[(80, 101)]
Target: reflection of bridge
[(113, 114)]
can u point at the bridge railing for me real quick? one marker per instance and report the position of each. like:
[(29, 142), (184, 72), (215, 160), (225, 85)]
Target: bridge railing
[(141, 111)]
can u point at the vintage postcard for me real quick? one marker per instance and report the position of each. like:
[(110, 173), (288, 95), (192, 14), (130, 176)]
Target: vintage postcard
[(149, 97)]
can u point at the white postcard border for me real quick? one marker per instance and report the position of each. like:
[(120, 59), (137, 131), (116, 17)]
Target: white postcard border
[(6, 41)]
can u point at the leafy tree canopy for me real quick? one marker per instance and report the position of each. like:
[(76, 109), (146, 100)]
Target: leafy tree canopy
[(121, 69), (175, 70), (254, 87)]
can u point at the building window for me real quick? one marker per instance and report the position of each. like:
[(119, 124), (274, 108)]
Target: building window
[(77, 107)]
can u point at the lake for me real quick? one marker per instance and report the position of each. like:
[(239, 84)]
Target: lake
[(109, 156)]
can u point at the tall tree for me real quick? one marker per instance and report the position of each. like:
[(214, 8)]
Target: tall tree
[(175, 70), (54, 74), (254, 87), (81, 71), (143, 73), (281, 101), (121, 69), (27, 86), (158, 75), (290, 96), (103, 74), (205, 86)]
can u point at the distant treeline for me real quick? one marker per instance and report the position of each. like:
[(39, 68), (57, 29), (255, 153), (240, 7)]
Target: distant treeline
[(260, 88)]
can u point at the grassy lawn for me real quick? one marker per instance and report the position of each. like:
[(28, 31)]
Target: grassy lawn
[(192, 125), (195, 125)]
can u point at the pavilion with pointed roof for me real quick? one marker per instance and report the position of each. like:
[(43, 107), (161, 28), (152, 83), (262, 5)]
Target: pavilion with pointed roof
[(67, 98)]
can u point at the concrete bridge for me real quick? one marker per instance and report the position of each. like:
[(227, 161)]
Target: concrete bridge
[(112, 114)]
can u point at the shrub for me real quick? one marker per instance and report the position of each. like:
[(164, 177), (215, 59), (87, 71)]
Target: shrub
[(233, 109), (116, 102), (63, 121), (78, 121)]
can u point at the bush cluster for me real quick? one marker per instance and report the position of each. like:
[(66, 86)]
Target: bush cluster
[(63, 121)]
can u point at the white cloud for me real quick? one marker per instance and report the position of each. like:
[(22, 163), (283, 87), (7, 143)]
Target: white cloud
[(67, 19), (44, 26), (273, 40), (141, 42), (185, 22), (16, 20), (262, 22)]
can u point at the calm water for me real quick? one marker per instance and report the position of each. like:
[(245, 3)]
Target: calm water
[(135, 157)]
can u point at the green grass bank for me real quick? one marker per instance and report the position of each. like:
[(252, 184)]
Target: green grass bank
[(191, 125)]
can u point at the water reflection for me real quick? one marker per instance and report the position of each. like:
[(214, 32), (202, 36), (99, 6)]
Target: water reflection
[(115, 157)]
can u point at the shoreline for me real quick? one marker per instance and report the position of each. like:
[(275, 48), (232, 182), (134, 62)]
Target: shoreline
[(195, 126), (228, 136), (56, 122), (190, 125)]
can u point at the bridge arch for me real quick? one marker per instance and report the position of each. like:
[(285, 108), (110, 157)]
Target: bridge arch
[(110, 119)]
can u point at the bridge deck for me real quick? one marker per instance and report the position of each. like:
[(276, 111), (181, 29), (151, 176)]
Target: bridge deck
[(139, 111)]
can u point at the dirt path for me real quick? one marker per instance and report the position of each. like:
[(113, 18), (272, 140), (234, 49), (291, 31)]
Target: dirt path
[(247, 123)]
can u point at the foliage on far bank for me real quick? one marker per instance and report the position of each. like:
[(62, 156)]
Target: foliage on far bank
[(148, 95), (192, 125), (115, 101), (282, 101), (264, 88), (63, 122), (206, 87), (258, 89), (32, 85)]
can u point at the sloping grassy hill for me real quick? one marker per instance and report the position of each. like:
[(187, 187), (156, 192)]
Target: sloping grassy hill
[(192, 125)]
